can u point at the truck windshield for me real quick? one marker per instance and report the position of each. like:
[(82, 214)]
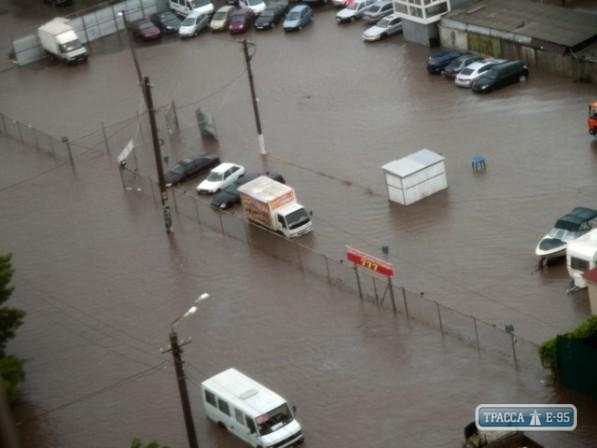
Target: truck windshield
[(70, 46), (274, 419), (297, 218)]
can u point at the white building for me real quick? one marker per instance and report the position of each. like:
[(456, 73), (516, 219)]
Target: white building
[(420, 18)]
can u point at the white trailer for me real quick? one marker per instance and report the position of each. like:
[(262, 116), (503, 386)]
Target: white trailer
[(581, 256), (249, 410), (60, 40)]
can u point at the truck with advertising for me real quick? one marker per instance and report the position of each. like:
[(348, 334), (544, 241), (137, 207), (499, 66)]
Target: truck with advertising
[(273, 205), (60, 41)]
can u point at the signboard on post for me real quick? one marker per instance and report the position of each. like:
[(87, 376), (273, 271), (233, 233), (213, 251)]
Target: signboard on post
[(370, 262)]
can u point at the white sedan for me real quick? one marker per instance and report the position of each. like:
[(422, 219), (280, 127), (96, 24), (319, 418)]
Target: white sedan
[(220, 177), (387, 26), (472, 71)]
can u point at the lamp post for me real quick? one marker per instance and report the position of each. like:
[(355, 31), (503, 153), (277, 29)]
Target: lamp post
[(175, 348), (146, 89)]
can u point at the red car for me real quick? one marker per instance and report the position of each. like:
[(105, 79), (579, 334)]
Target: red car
[(241, 20), (145, 29)]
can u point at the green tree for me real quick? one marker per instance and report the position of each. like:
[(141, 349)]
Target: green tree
[(138, 444), (11, 367)]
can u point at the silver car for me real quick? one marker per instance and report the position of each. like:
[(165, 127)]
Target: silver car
[(377, 11), (193, 24), (387, 26)]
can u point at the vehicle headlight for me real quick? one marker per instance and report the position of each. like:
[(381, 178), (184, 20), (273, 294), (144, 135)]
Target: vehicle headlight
[(223, 205), (484, 87)]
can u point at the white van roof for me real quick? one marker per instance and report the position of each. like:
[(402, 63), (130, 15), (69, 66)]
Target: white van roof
[(584, 247), (243, 392)]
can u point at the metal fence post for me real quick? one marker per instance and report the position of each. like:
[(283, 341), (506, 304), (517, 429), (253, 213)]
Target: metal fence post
[(85, 29), (405, 302), (221, 223), (176, 123), (514, 350), (34, 132), (174, 200), (476, 333), (52, 145), (20, 132), (70, 154), (3, 122), (375, 291), (197, 211), (327, 268), (391, 288), (105, 138), (439, 318), (356, 272)]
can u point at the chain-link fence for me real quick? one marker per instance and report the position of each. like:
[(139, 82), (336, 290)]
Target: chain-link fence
[(345, 276)]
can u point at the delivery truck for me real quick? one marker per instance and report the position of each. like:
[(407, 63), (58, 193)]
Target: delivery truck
[(273, 205), (60, 41), (581, 256)]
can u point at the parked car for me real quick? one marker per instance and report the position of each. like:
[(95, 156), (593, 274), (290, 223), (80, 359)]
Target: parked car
[(438, 61), (241, 20), (145, 29), (166, 21), (189, 167), (454, 67), (193, 24), (298, 17), (220, 177), (386, 26), (270, 17), (353, 11), (221, 18), (230, 196), (474, 70), (57, 3), (258, 6), (341, 3), (377, 11), (185, 7), (500, 75)]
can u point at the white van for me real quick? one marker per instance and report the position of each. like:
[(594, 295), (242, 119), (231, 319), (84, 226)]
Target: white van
[(581, 256), (251, 411), (184, 7)]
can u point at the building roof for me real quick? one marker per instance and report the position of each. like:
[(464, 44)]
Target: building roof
[(412, 163), (526, 19)]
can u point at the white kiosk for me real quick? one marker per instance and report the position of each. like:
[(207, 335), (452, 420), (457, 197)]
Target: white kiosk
[(415, 177)]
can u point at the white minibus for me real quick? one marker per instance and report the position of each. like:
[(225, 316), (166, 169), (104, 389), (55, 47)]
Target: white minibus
[(251, 411)]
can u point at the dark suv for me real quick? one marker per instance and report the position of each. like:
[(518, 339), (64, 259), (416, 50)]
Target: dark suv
[(438, 61), (499, 76)]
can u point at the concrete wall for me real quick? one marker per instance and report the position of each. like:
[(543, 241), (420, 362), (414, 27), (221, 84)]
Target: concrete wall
[(427, 35)]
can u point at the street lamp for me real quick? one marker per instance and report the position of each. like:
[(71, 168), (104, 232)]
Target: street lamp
[(176, 350)]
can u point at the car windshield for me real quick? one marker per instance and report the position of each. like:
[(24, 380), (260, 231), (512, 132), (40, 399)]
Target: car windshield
[(254, 2), (178, 168), (70, 46), (145, 26), (199, 3), (467, 71), (384, 23), (490, 74), (274, 419), (237, 18), (215, 177), (167, 17), (297, 218), (232, 189), (189, 21), (267, 13), (293, 15), (219, 15)]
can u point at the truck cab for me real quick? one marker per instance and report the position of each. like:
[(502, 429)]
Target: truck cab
[(293, 220)]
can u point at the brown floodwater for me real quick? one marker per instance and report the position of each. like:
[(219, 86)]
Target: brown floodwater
[(101, 282)]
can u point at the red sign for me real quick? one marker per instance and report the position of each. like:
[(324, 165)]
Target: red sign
[(367, 261)]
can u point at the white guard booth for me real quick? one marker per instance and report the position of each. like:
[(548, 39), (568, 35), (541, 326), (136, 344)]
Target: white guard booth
[(415, 177)]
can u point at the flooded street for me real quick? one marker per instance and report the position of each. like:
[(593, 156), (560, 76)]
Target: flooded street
[(101, 281)]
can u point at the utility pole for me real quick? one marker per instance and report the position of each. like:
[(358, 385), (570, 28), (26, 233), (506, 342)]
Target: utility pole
[(176, 350), (260, 139), (157, 153)]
